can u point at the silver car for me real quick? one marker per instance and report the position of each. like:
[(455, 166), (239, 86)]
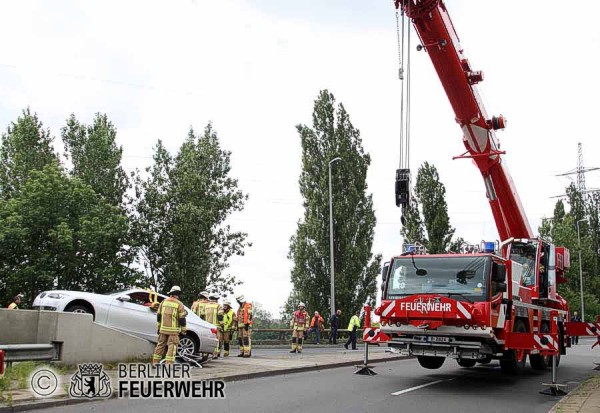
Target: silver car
[(130, 311)]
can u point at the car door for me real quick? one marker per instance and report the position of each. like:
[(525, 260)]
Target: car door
[(128, 313)]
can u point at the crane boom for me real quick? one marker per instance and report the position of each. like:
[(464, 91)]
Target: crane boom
[(440, 40)]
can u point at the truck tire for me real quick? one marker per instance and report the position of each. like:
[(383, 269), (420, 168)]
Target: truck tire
[(430, 362), (537, 361), (486, 360), (510, 363), (466, 362)]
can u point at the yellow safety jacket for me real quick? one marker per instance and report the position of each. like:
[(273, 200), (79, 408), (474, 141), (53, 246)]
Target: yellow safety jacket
[(229, 320), (354, 321)]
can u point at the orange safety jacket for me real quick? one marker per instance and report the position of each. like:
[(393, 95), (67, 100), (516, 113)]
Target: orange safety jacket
[(314, 321), (244, 314)]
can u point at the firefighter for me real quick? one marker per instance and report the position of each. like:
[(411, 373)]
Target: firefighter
[(353, 325), (244, 323), (15, 302), (199, 304), (227, 325), (298, 323), (213, 314), (171, 325)]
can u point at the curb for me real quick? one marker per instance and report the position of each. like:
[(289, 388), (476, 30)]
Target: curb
[(247, 376), (571, 393), (46, 404)]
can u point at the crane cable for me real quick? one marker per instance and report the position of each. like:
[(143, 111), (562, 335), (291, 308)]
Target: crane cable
[(403, 40)]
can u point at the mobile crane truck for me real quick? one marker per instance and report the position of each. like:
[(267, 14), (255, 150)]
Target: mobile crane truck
[(500, 303)]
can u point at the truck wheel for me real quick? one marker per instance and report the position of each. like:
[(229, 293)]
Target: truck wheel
[(537, 361), (514, 361), (429, 362), (466, 362), (486, 360)]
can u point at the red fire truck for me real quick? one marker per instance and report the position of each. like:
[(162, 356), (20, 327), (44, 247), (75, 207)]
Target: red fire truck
[(500, 302)]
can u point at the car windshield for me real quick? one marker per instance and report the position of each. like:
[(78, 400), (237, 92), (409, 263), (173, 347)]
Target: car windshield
[(462, 277)]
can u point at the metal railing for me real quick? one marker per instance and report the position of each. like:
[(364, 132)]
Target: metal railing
[(30, 352), (285, 335)]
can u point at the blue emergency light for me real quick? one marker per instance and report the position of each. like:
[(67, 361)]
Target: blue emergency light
[(489, 247)]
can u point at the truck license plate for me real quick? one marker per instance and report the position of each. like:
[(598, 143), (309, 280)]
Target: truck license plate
[(436, 339)]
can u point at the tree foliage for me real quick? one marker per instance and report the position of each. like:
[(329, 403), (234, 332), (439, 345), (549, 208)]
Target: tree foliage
[(96, 157), (333, 135), (57, 233), (562, 230), (426, 220), (180, 220), (26, 147)]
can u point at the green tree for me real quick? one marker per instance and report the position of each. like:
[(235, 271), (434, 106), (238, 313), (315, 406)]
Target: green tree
[(562, 231), (96, 157), (412, 224), (26, 147), (356, 270), (431, 194), (57, 233), (151, 226), (180, 222)]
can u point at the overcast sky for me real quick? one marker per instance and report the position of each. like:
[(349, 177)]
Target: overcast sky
[(255, 67)]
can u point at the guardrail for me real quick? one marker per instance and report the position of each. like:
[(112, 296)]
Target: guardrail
[(284, 335), (30, 352)]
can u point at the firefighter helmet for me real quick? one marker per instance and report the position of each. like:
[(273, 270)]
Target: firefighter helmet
[(175, 290), (240, 298), (301, 305), (227, 303), (203, 294), (213, 296)]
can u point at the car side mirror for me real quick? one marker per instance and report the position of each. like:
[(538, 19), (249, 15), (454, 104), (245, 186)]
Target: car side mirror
[(124, 298)]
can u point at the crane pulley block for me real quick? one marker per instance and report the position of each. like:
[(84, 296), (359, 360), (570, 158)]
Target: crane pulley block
[(402, 187)]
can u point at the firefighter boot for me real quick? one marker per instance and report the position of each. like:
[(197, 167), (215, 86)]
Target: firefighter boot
[(300, 340), (246, 347), (294, 345)]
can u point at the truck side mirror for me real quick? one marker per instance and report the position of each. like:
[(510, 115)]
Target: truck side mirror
[(500, 287), (498, 273), (384, 270)]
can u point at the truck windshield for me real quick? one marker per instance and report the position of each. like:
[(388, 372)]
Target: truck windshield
[(461, 277)]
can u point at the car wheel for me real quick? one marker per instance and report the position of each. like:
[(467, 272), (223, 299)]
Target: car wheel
[(78, 309), (188, 345)]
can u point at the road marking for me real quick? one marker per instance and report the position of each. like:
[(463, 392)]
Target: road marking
[(398, 393)]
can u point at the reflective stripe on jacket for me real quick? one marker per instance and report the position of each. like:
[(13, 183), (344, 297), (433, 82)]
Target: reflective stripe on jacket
[(198, 308), (211, 311), (299, 320), (171, 316)]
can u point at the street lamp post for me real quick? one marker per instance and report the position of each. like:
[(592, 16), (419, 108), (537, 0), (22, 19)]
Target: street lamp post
[(331, 238), (581, 270)]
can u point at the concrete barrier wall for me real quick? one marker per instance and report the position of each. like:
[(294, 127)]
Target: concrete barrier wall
[(82, 339)]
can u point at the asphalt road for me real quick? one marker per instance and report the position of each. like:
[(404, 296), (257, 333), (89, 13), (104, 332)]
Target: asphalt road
[(400, 386)]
